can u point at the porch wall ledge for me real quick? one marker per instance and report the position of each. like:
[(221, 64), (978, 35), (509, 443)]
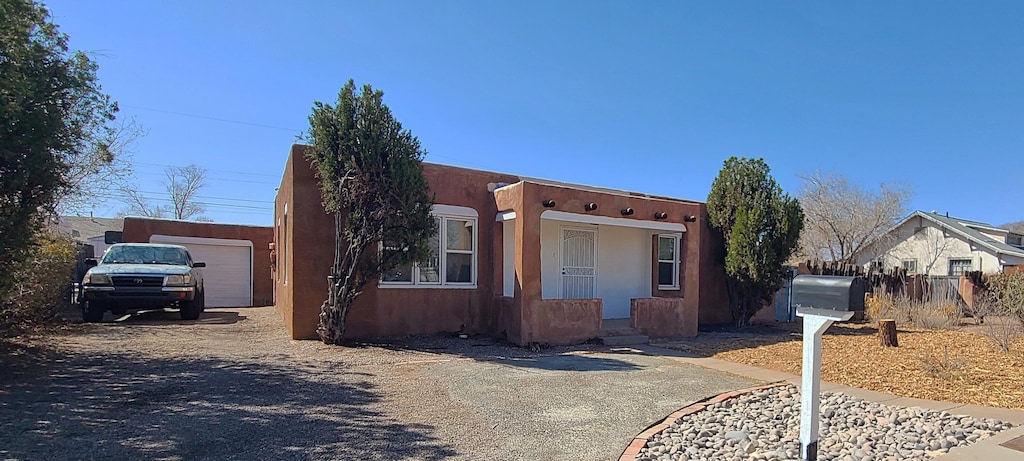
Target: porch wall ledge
[(661, 317), (568, 321)]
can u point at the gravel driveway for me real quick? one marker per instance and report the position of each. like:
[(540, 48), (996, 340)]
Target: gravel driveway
[(233, 386)]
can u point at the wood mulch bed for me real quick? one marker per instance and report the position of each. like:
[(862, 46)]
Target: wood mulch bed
[(960, 365)]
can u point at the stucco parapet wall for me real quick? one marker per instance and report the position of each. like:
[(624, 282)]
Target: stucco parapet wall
[(195, 223), (661, 317), (529, 197), (508, 197), (602, 190)]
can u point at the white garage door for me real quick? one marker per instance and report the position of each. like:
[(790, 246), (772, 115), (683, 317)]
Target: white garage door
[(228, 274)]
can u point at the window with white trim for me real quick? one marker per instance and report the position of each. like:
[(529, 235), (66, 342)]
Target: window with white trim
[(909, 265), (668, 262), (452, 260), (959, 266)]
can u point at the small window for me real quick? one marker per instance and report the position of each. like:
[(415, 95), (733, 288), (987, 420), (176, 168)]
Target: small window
[(668, 262), (459, 250), (910, 266), (452, 260), (959, 266), (283, 256)]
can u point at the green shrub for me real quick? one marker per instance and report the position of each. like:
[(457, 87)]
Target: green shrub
[(39, 285)]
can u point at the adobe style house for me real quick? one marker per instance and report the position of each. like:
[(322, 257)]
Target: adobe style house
[(529, 260), (939, 245)]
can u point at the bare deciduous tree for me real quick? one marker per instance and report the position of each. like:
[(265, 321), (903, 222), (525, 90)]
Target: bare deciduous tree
[(95, 174), (1017, 227), (841, 218), (182, 185)]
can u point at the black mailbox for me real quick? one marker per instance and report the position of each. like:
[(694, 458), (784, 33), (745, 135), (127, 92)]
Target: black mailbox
[(829, 292)]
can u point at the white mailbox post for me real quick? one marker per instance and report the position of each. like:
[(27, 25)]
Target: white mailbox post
[(819, 300)]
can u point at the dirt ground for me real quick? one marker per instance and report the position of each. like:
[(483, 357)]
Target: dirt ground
[(961, 365), (233, 386)]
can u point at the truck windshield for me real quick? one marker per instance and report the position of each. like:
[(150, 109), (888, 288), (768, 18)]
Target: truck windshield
[(144, 255)]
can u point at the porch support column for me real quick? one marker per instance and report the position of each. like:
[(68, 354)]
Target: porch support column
[(528, 265)]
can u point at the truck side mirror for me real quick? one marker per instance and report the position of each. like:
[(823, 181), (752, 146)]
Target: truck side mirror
[(91, 262), (111, 237), (199, 264)]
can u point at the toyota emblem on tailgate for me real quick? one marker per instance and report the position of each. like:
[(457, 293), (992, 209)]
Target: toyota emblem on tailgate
[(137, 281)]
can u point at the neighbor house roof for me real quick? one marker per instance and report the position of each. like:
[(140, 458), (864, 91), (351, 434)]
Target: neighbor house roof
[(966, 229), (82, 228)]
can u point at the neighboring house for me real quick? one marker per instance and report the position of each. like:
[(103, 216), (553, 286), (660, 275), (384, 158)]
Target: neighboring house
[(939, 245), (88, 230), (534, 261)]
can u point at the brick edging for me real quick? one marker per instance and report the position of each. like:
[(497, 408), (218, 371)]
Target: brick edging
[(640, 441)]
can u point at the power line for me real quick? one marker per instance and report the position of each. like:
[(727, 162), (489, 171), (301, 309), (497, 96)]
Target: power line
[(210, 204), (220, 179), (217, 119), (248, 173), (210, 197)]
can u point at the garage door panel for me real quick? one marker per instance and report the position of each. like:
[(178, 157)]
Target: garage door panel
[(227, 276)]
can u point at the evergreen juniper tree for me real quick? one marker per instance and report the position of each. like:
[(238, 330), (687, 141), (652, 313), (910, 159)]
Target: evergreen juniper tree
[(760, 226)]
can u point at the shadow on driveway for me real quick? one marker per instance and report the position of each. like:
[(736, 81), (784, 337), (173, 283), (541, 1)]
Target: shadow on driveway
[(161, 317), (484, 349), (571, 362), (58, 405)]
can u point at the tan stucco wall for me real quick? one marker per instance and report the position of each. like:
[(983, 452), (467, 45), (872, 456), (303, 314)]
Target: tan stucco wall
[(563, 321), (661, 317)]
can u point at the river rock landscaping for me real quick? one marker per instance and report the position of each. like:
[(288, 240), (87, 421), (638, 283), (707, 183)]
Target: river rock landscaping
[(765, 425)]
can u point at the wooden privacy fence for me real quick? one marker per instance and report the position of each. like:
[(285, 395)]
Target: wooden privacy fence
[(896, 281)]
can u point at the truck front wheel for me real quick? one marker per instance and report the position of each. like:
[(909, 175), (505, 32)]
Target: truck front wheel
[(190, 310), (92, 311)]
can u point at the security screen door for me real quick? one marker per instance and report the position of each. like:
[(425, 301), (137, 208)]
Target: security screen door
[(579, 263)]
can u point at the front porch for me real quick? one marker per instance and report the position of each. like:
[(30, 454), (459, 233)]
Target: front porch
[(573, 276)]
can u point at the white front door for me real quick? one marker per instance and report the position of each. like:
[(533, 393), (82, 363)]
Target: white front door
[(579, 263)]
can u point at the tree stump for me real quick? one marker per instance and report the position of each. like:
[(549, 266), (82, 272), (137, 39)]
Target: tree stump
[(887, 333)]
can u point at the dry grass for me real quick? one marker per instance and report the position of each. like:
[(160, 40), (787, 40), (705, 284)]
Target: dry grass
[(944, 366), (979, 372)]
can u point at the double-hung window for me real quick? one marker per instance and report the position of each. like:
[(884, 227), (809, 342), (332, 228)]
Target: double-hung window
[(453, 253), (959, 266), (668, 262)]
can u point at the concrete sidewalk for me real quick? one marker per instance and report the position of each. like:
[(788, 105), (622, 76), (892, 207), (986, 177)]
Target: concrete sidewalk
[(995, 448)]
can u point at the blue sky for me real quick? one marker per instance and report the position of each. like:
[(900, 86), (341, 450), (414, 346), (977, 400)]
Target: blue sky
[(645, 96)]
